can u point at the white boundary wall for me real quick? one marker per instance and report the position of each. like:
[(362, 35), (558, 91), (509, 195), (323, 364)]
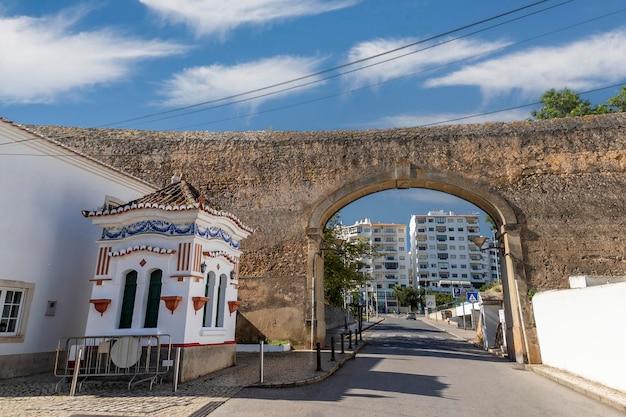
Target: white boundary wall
[(582, 331)]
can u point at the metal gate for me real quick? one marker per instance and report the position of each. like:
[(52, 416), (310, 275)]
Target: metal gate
[(139, 357)]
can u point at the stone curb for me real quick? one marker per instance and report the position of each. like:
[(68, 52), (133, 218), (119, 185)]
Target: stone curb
[(605, 395)]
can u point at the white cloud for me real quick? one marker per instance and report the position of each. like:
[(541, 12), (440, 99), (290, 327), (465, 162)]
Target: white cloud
[(218, 17), (422, 60), (413, 120), (42, 58), (581, 65), (201, 84)]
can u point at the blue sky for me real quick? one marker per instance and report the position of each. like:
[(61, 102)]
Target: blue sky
[(301, 65)]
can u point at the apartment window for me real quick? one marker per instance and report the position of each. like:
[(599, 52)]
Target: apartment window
[(401, 248), (440, 220), (451, 237), (450, 229), (452, 247), (12, 302), (431, 220), (15, 297), (460, 229), (433, 265), (431, 229)]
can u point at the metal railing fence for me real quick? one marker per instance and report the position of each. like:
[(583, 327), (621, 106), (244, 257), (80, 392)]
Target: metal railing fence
[(140, 357)]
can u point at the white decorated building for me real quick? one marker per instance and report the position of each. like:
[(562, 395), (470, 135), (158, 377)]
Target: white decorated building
[(167, 263), (46, 248)]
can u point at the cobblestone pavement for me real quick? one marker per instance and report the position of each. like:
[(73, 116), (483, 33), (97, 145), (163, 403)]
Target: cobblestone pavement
[(36, 396)]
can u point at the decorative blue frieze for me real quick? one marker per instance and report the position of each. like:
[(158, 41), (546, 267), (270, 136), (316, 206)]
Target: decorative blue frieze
[(167, 228), (213, 232)]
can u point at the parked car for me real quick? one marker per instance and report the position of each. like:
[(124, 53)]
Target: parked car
[(410, 316)]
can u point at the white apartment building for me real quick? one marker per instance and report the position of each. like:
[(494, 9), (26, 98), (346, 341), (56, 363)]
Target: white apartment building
[(443, 255), (391, 268)]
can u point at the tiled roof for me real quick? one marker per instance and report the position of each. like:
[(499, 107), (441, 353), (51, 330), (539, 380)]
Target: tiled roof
[(179, 193), (177, 196)]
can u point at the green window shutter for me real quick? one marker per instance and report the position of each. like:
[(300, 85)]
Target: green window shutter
[(154, 299), (128, 301)]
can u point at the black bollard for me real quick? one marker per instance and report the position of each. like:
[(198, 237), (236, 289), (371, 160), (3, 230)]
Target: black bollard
[(350, 339), (361, 334), (356, 339), (332, 349), (319, 357), (342, 349)]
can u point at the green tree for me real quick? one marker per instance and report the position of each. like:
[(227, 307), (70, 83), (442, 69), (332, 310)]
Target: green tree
[(491, 222), (408, 296), (442, 298), (563, 103), (618, 102), (567, 103), (342, 263)]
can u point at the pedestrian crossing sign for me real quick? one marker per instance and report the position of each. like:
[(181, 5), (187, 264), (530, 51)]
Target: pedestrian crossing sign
[(472, 297)]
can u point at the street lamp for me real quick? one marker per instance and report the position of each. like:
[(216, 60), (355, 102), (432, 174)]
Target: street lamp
[(480, 241)]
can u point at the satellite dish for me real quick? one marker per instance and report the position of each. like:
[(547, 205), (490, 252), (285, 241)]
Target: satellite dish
[(126, 352)]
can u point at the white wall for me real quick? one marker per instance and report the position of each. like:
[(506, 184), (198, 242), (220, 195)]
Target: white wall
[(44, 239), (582, 331)]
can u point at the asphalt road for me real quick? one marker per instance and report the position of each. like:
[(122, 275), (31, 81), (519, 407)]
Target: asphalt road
[(412, 369)]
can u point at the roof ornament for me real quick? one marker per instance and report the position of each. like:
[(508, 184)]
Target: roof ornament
[(176, 178)]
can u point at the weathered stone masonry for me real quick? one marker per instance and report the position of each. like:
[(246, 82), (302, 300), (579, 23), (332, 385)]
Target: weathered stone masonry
[(563, 180)]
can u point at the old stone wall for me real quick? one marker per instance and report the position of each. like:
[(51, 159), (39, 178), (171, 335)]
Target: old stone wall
[(564, 179)]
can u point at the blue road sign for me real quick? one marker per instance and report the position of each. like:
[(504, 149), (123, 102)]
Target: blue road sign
[(472, 297), (456, 292)]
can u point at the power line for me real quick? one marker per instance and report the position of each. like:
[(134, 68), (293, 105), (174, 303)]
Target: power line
[(315, 74), (346, 72), (413, 74), (425, 125)]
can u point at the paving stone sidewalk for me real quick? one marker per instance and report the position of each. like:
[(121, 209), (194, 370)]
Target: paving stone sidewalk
[(36, 396)]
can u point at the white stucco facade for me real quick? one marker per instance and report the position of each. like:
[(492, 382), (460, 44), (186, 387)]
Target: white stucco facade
[(46, 247), (167, 268), (580, 331)]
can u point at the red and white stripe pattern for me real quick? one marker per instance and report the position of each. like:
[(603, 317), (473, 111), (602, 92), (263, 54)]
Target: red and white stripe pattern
[(197, 257), (184, 257), (104, 260)]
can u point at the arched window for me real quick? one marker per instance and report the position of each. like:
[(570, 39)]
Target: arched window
[(221, 301), (209, 291), (154, 299), (128, 300)]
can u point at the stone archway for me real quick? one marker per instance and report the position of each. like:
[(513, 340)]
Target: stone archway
[(523, 346), (556, 187)]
